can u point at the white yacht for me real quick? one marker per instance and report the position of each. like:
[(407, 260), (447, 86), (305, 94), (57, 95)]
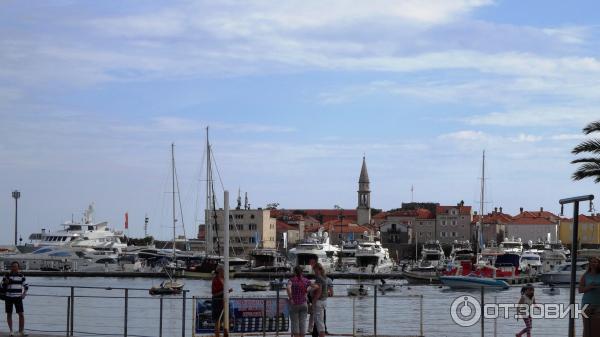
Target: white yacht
[(531, 262), (84, 234), (461, 251), (347, 255), (562, 274), (65, 258), (317, 248), (432, 255), (512, 246), (550, 258), (371, 257)]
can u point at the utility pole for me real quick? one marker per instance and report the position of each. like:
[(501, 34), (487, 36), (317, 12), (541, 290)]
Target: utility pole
[(16, 195)]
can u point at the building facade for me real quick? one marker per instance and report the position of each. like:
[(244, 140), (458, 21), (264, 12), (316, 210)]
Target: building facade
[(453, 223), (248, 229), (588, 230)]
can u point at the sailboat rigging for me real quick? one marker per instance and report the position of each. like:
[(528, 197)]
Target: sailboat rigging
[(170, 286)]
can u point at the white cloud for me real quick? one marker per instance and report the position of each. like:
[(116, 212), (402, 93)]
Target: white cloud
[(537, 116), (170, 124), (526, 138), (465, 135), (566, 136), (573, 34)]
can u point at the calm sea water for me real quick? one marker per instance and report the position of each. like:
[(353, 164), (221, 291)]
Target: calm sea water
[(101, 312)]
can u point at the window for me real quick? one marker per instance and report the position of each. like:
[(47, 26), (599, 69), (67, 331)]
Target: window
[(239, 216), (252, 226), (240, 227), (251, 216), (443, 222), (443, 234), (454, 234), (230, 227), (453, 222), (252, 239)]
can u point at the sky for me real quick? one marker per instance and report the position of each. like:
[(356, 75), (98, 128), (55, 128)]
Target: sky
[(295, 93)]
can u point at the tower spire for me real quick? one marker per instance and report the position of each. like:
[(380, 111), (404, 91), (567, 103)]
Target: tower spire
[(364, 196)]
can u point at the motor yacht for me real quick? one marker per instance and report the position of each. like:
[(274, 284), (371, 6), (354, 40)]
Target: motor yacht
[(83, 234), (371, 257), (512, 246), (316, 248)]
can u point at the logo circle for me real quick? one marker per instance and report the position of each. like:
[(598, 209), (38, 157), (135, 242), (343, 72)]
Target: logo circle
[(465, 311)]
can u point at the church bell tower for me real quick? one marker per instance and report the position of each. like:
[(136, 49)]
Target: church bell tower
[(363, 211)]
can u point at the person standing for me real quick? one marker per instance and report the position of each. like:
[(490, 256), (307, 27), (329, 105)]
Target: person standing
[(526, 302), (16, 290), (589, 286), (297, 290), (218, 283), (319, 298)]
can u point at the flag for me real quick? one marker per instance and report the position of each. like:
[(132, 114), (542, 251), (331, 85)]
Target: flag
[(126, 220)]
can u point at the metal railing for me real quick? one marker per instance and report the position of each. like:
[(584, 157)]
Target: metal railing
[(411, 311), (104, 311)]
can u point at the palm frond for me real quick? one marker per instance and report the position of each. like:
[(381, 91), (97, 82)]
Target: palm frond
[(586, 160), (590, 145), (588, 170), (592, 127)]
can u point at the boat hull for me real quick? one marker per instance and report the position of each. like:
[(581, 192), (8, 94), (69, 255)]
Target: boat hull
[(421, 277), (473, 282)]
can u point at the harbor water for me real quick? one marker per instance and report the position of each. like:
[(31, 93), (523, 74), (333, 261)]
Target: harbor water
[(101, 312)]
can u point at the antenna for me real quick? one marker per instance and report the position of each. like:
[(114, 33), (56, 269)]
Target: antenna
[(239, 200), (412, 193), (146, 220)]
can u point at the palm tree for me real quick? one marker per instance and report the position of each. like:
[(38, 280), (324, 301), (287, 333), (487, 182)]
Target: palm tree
[(590, 166)]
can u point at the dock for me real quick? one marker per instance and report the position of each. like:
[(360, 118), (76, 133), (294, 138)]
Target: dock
[(249, 274)]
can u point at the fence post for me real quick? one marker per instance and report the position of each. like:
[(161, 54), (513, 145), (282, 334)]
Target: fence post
[(375, 311), (68, 314), (277, 311), (160, 317), (72, 310), (353, 316), (264, 317), (125, 315), (183, 315), (495, 321), (421, 316), (482, 312)]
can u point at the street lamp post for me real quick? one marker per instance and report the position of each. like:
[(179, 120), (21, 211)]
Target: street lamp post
[(574, 243), (16, 195)]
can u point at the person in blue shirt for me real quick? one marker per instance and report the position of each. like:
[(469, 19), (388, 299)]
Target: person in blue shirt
[(589, 286)]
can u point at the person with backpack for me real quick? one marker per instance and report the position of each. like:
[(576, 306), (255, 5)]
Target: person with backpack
[(15, 289)]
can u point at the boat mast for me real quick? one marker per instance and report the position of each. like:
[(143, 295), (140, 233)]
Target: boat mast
[(208, 208), (173, 179), (481, 204)]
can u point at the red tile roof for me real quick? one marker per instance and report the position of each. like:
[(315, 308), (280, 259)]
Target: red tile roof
[(531, 221), (419, 213), (332, 228), (462, 210), (494, 218), (282, 226), (535, 214)]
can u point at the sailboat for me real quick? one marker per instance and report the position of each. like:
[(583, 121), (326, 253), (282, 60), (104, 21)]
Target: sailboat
[(170, 286), (476, 278)]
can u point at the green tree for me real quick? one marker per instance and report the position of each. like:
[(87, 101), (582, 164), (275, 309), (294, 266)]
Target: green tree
[(590, 166)]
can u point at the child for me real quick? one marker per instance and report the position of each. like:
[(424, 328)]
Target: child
[(527, 301)]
